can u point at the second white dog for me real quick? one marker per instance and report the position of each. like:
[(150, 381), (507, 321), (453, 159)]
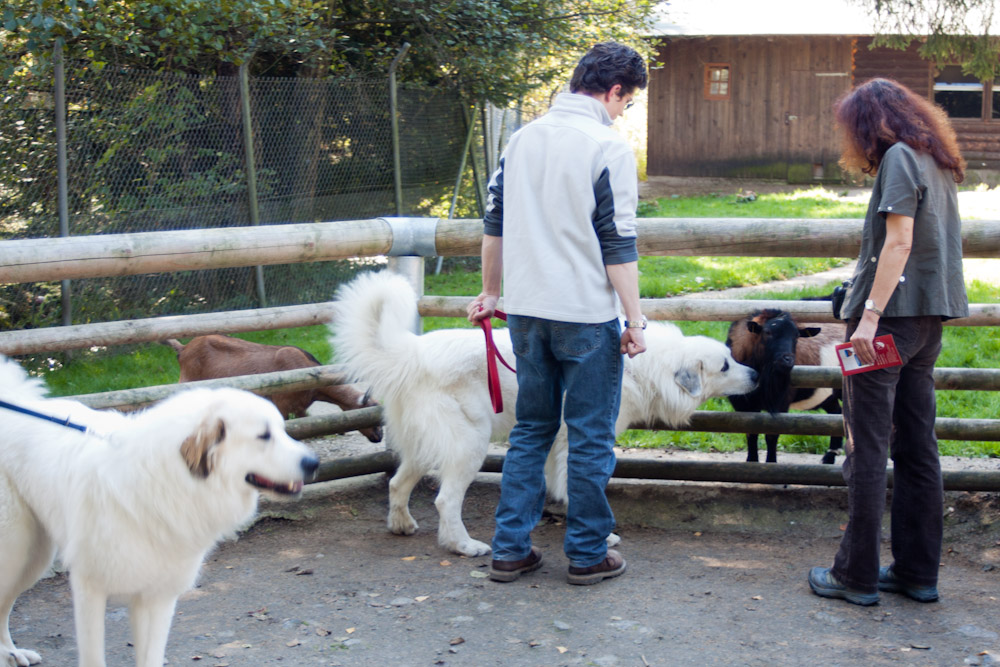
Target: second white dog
[(436, 404), (133, 504)]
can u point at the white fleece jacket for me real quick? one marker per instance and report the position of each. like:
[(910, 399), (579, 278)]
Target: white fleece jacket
[(564, 201)]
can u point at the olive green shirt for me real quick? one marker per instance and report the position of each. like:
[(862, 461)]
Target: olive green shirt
[(911, 184)]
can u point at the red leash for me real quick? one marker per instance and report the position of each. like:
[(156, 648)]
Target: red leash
[(492, 354)]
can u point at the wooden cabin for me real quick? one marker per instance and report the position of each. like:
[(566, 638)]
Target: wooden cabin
[(761, 105)]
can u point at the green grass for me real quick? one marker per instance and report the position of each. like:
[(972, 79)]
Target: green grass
[(672, 276), (99, 369), (811, 203), (970, 347)]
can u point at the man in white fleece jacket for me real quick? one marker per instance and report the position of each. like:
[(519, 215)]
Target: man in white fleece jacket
[(559, 236)]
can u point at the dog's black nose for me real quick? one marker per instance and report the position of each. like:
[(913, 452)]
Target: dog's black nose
[(309, 466)]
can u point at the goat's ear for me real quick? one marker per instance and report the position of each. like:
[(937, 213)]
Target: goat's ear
[(753, 327), (198, 449), (689, 379), (808, 332)]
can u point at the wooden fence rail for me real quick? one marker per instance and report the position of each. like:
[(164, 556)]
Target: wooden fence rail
[(689, 471), (31, 260), (81, 336), (703, 420), (148, 252), (131, 254), (265, 384)]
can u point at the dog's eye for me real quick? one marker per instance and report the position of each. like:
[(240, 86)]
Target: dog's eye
[(725, 366), (266, 435)]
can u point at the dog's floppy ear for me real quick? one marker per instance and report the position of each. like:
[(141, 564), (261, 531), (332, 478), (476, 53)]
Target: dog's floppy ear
[(197, 449), (689, 379)]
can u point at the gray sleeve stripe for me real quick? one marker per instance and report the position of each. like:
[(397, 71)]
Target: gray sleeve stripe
[(616, 249), (493, 220)]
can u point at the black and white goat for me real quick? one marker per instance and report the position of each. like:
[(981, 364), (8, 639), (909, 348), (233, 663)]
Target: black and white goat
[(771, 342)]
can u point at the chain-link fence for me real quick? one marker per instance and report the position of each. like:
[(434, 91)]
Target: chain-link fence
[(150, 152)]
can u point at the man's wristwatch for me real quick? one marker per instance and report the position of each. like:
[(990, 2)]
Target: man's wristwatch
[(636, 324), (870, 305)]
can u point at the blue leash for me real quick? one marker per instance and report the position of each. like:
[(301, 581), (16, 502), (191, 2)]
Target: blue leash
[(25, 411)]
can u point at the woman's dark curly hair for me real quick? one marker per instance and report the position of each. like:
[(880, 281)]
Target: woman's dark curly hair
[(881, 112), (607, 64)]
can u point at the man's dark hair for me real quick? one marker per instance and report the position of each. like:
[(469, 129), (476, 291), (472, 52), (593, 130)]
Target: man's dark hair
[(606, 64)]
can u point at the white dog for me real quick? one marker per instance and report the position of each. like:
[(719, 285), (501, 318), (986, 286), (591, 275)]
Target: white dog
[(133, 504), (436, 403)]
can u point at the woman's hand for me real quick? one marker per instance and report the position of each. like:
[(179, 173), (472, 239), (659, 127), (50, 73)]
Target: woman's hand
[(863, 337)]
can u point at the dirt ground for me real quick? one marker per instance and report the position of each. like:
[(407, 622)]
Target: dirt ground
[(716, 576)]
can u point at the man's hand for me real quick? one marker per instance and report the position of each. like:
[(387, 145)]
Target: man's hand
[(482, 307), (633, 341)]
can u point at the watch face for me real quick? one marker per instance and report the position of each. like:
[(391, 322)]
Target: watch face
[(869, 304)]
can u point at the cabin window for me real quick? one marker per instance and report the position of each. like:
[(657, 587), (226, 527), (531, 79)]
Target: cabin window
[(717, 81), (960, 95)]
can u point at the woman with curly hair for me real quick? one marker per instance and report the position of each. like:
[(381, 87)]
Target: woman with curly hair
[(908, 280)]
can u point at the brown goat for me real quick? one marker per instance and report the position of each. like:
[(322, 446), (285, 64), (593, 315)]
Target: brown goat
[(771, 342), (217, 356)]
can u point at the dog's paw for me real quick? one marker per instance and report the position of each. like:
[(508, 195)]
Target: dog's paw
[(613, 540), (401, 523), (471, 548), (21, 657)]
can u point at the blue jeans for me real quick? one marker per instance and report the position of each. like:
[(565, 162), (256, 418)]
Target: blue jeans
[(891, 412), (559, 364)]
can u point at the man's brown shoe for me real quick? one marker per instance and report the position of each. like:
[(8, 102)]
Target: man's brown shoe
[(509, 570), (612, 566)]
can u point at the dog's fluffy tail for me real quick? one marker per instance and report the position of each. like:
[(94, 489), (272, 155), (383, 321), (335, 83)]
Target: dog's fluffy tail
[(370, 332), (15, 382)]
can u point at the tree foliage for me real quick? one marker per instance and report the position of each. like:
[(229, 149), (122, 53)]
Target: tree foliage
[(950, 31), (153, 150), (489, 49)]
